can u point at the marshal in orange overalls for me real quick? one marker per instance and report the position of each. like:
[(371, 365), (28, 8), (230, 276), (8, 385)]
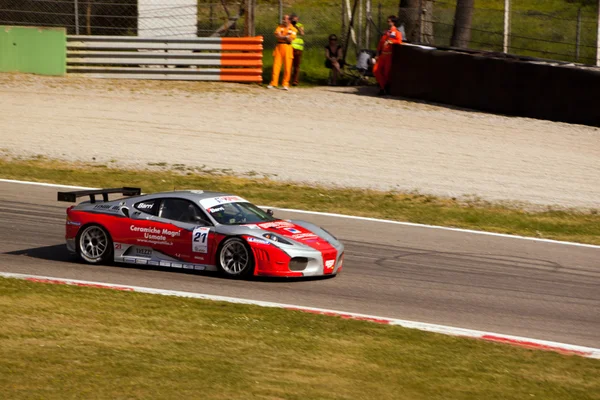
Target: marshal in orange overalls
[(382, 68), (283, 54)]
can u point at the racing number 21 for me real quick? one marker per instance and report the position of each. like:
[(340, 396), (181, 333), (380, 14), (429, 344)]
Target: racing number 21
[(200, 239)]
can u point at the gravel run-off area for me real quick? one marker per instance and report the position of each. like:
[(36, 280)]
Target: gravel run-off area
[(339, 136)]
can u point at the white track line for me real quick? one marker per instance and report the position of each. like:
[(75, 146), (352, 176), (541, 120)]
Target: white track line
[(385, 221), (54, 185), (442, 329)]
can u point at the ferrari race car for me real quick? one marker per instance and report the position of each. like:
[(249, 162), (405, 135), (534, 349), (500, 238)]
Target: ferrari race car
[(196, 229)]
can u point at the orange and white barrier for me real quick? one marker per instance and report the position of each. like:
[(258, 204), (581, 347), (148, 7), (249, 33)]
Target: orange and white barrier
[(132, 57)]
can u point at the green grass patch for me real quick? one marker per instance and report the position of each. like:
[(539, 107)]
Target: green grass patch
[(66, 342), (472, 213)]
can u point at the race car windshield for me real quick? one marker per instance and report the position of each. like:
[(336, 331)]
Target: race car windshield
[(238, 213)]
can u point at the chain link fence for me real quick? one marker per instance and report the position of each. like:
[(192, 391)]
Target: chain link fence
[(568, 33)]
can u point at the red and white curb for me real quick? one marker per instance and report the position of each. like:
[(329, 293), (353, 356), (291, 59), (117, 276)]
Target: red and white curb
[(571, 349)]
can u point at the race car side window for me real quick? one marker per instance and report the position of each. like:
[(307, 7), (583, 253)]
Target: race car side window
[(147, 206), (183, 211)]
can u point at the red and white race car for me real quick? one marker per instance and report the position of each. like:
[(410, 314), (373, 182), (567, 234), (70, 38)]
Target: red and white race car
[(196, 229)]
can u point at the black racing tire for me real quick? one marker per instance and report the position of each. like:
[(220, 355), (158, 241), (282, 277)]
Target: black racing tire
[(94, 245), (235, 258)]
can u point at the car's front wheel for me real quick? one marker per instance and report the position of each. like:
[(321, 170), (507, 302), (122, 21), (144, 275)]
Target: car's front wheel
[(235, 258), (94, 245)]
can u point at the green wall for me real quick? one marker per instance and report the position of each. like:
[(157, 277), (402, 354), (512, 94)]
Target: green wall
[(33, 49)]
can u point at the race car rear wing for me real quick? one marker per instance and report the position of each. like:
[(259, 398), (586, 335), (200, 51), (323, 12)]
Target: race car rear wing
[(72, 196)]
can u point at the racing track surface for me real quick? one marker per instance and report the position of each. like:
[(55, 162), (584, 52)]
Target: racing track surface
[(533, 289)]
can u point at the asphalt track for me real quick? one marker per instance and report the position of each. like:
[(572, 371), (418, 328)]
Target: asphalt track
[(533, 289)]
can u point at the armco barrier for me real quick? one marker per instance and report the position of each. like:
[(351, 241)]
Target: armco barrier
[(33, 50), (203, 59), (489, 83)]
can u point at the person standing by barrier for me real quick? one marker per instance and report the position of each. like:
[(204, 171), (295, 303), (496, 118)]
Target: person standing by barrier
[(383, 63), (298, 46), (285, 33)]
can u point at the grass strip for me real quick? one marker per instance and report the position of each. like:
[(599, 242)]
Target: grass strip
[(59, 342), (569, 225)]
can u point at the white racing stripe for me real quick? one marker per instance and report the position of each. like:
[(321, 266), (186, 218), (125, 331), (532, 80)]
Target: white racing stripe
[(385, 221), (442, 329)]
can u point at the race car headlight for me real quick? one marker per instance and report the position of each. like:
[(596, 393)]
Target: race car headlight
[(275, 238)]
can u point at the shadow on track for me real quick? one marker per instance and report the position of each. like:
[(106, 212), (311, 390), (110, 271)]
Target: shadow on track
[(60, 253)]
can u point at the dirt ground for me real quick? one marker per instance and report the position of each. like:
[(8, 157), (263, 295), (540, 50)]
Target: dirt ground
[(342, 136)]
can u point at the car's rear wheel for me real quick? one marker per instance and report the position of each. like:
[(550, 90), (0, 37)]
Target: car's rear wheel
[(94, 245), (236, 258)]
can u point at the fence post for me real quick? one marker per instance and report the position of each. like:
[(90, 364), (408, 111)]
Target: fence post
[(507, 24), (578, 37), (379, 19), (421, 21), (359, 39), (77, 17), (249, 20), (598, 38), (368, 26), (343, 18), (280, 11)]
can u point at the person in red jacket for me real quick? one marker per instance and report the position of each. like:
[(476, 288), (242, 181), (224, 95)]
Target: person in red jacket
[(383, 63)]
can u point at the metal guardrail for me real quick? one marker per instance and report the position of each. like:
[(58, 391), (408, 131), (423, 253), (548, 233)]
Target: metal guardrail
[(132, 57)]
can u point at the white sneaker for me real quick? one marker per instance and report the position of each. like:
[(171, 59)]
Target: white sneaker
[(285, 88), (270, 87)]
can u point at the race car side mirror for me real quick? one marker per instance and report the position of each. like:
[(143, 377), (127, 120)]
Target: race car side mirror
[(270, 212)]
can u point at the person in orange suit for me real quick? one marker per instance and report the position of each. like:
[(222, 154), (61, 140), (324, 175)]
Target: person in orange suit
[(285, 33), (383, 63)]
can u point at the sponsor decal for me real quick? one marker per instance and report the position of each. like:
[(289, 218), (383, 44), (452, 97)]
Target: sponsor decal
[(252, 226), (106, 207), (143, 252), (145, 206), (215, 201), (329, 263), (293, 230), (216, 209), (307, 235), (200, 239), (276, 224), (155, 234), (227, 199), (118, 246), (74, 223), (163, 263), (257, 240)]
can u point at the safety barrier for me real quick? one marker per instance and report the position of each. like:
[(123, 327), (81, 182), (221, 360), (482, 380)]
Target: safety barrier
[(132, 57), (498, 83), (32, 49)]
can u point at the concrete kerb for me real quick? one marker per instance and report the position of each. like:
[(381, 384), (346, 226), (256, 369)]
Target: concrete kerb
[(564, 348)]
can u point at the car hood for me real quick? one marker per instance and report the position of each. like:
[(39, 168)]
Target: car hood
[(298, 231)]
